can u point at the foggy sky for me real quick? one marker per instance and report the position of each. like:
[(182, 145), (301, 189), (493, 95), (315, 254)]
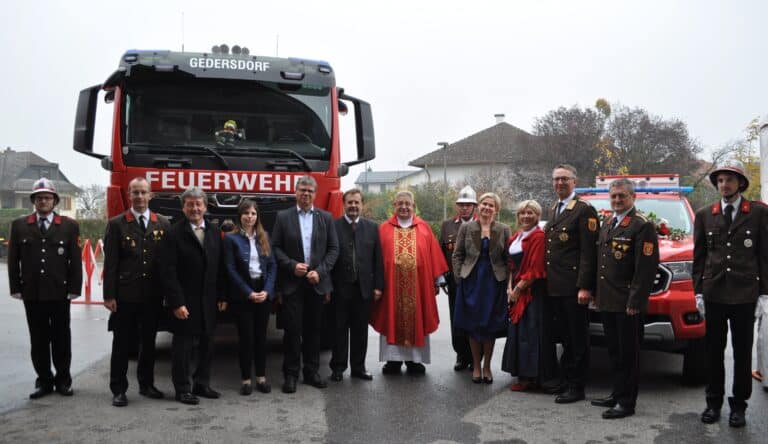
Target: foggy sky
[(432, 70)]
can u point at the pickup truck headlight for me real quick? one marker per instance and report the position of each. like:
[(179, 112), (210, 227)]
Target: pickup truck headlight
[(681, 271)]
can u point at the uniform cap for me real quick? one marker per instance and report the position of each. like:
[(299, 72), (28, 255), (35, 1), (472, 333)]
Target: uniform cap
[(730, 166), (467, 195), (44, 185)]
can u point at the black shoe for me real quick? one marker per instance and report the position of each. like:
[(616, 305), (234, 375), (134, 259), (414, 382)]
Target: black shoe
[(737, 419), (392, 367), (315, 381), (187, 398), (246, 389), (289, 385), (618, 411), (205, 391), (710, 415), (554, 389), (65, 390), (119, 400), (337, 376), (460, 365), (263, 387), (571, 395), (363, 374), (415, 368), (41, 391), (608, 401), (152, 392)]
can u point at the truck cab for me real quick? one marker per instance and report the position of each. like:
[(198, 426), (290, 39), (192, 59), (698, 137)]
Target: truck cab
[(672, 322)]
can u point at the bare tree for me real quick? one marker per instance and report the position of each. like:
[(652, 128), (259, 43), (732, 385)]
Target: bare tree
[(91, 202)]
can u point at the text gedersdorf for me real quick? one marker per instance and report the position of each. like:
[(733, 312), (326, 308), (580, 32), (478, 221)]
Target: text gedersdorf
[(234, 64)]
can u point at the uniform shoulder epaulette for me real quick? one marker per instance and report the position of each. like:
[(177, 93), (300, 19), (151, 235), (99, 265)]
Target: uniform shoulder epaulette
[(641, 216), (584, 201)]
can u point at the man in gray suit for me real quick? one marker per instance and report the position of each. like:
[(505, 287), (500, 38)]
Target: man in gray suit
[(306, 248)]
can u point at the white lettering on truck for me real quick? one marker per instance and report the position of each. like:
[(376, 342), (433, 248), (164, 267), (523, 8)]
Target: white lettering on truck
[(231, 64), (222, 181)]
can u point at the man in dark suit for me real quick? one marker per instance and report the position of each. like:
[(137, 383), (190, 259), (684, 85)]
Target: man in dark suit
[(730, 274), (627, 261), (194, 284), (358, 277), (45, 271), (132, 290), (306, 248), (466, 204), (571, 257)]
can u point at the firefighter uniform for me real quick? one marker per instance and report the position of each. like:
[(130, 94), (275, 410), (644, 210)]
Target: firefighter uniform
[(628, 255), (460, 342), (45, 268), (131, 279), (571, 260), (730, 268)]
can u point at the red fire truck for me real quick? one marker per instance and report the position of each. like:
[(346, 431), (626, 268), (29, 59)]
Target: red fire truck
[(672, 322), (231, 123)]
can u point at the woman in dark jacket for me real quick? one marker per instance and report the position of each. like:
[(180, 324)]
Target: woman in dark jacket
[(251, 269), (479, 264), (525, 354)]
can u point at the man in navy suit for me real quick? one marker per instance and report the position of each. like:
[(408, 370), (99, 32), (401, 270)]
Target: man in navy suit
[(358, 277), (306, 248)]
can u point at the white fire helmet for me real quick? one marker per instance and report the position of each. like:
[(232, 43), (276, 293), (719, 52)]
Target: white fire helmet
[(467, 195), (44, 185)]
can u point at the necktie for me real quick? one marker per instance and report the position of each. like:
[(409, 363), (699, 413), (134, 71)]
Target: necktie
[(143, 223), (559, 209), (615, 222), (354, 226), (42, 226), (200, 234), (728, 212)]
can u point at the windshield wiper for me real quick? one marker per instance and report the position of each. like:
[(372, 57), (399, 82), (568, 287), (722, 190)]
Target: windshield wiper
[(303, 161), (196, 147)]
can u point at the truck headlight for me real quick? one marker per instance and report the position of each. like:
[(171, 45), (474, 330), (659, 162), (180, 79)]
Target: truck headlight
[(681, 271)]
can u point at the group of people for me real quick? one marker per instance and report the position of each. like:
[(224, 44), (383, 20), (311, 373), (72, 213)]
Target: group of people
[(533, 286)]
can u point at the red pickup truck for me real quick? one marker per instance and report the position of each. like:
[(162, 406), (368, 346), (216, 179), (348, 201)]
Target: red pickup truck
[(672, 322)]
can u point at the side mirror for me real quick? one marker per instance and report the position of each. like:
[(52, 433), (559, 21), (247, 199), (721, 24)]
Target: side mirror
[(85, 119), (366, 145)]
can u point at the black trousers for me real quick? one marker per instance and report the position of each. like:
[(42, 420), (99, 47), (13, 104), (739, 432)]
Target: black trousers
[(742, 322), (302, 315), (133, 320), (252, 322), (186, 349), (50, 338), (459, 341), (565, 314), (350, 327), (622, 335)]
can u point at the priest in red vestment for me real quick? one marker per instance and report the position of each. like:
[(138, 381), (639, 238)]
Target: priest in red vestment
[(414, 265)]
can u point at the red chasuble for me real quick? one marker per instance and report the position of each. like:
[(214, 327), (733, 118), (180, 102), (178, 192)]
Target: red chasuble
[(413, 260)]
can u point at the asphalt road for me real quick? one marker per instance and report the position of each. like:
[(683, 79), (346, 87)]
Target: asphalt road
[(442, 406)]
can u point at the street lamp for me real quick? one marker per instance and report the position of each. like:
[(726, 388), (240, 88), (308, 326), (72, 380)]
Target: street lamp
[(444, 145)]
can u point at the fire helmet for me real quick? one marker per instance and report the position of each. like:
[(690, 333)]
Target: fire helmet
[(230, 124), (730, 166), (467, 195), (44, 185)]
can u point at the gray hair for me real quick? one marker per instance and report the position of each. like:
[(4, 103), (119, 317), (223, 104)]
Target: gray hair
[(406, 193), (565, 166), (193, 192), (623, 183), (307, 180)]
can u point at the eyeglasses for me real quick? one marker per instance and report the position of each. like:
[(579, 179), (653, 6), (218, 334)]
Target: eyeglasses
[(621, 196), (306, 191), (561, 179), (44, 198)]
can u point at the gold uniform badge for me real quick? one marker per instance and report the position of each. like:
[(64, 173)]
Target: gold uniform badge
[(592, 224), (647, 248)]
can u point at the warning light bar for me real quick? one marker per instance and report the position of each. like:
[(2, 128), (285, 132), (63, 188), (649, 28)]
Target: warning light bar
[(641, 190)]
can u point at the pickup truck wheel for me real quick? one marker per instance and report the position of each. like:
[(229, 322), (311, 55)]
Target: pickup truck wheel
[(694, 363)]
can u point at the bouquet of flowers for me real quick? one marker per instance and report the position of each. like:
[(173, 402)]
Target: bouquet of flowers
[(663, 229), (604, 215)]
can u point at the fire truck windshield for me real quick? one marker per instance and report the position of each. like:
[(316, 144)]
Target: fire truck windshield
[(673, 210), (234, 118)]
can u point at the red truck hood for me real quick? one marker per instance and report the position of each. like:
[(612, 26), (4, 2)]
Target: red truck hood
[(676, 250)]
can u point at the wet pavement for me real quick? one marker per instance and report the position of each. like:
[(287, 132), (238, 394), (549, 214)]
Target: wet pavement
[(440, 407)]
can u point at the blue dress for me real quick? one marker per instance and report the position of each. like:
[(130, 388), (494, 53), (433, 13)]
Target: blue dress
[(481, 302)]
